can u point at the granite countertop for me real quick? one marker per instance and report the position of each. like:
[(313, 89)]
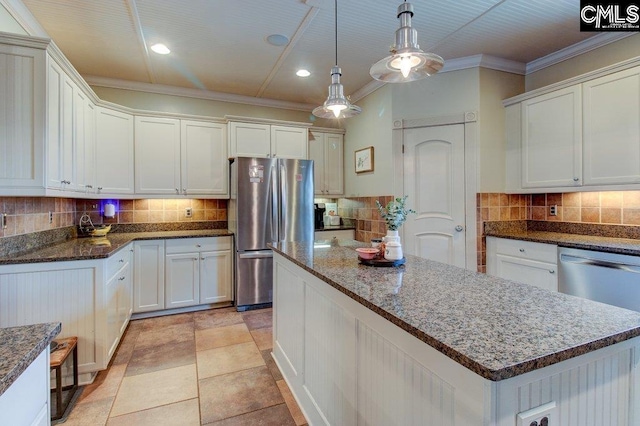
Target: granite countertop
[(605, 238), (335, 228), (20, 346), (494, 327), (100, 248)]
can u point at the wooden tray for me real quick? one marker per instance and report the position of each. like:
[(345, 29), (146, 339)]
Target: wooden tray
[(382, 262)]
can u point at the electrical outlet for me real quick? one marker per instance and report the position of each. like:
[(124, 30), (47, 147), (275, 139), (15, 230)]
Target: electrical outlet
[(94, 206), (553, 210), (543, 415), (50, 217), (188, 212)]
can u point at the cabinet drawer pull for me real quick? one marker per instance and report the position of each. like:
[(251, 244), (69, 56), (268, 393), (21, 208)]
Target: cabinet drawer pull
[(521, 250), (552, 271), (121, 260), (575, 179)]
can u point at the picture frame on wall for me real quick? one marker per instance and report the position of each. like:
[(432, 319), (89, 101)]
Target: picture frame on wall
[(364, 160)]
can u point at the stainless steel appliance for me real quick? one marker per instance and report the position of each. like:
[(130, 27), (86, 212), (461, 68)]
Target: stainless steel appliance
[(271, 200), (319, 215), (603, 277)]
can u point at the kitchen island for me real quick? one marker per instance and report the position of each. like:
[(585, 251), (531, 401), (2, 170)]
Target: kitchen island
[(432, 344)]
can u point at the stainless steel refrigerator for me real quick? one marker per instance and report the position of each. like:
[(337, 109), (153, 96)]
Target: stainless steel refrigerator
[(271, 200)]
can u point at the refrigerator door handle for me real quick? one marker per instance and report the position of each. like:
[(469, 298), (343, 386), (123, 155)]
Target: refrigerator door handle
[(256, 254), (274, 204), (283, 203)]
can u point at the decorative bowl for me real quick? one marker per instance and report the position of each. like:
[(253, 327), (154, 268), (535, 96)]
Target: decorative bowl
[(367, 252), (100, 231)]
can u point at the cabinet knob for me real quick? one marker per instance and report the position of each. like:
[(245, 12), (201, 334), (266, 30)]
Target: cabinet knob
[(552, 271), (121, 279), (121, 260), (184, 190), (575, 179), (177, 191), (99, 188), (202, 258), (198, 245), (521, 250), (459, 228), (89, 186)]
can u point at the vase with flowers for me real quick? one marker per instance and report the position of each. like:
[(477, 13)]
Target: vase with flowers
[(394, 215)]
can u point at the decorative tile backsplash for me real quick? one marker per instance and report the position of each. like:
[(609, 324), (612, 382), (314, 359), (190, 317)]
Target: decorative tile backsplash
[(363, 210), (606, 208), (31, 214)]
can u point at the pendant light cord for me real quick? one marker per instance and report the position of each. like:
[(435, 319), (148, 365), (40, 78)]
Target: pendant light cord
[(336, 28)]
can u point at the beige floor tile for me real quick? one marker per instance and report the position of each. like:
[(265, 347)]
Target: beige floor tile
[(271, 363), (159, 323), (263, 337), (104, 386), (237, 393), (278, 415), (150, 390), (184, 413), (170, 355), (258, 319), (216, 318), (222, 336), (93, 413), (168, 335), (296, 413), (228, 359)]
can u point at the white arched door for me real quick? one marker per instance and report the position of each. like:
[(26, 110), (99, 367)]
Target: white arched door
[(434, 180)]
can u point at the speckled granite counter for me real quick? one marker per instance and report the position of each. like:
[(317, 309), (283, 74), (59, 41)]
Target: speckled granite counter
[(99, 248), (605, 238), (20, 346), (496, 328)]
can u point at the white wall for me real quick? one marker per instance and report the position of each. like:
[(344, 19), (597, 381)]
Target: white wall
[(371, 128), (494, 87), (8, 24)]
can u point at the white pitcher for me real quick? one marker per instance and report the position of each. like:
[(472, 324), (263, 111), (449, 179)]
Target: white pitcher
[(393, 251)]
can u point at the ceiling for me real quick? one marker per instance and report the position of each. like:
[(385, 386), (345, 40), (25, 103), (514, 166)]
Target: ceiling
[(220, 45)]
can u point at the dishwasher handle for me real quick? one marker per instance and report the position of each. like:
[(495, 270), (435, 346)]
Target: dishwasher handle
[(256, 254), (602, 263)]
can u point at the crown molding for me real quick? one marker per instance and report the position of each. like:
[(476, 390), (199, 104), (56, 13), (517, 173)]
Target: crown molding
[(484, 61), (577, 49), (194, 93)]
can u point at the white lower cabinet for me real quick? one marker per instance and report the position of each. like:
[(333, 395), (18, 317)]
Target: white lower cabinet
[(182, 272), (119, 296), (523, 261), (148, 275), (26, 401)]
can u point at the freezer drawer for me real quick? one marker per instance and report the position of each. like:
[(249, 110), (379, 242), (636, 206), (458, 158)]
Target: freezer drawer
[(254, 278)]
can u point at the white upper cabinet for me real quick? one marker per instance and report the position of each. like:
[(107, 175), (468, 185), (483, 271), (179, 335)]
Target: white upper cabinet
[(551, 139), (114, 152), (205, 162), (180, 157), (267, 140), (327, 152), (582, 136), (611, 116), (157, 155), (22, 119)]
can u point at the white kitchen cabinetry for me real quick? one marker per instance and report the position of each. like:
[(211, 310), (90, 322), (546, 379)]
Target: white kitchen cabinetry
[(340, 234), (523, 261), (157, 155), (114, 152), (327, 152), (148, 273), (198, 271), (180, 157), (551, 139), (26, 401), (204, 158), (267, 140), (611, 116), (22, 119), (119, 296), (583, 134)]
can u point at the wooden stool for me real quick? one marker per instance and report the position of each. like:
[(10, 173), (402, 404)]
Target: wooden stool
[(56, 360)]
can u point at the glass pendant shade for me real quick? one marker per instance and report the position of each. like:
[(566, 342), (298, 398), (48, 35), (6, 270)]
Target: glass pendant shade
[(336, 105), (407, 61)]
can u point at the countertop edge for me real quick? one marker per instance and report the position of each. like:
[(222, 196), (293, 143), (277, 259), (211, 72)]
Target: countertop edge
[(23, 363), (487, 373)]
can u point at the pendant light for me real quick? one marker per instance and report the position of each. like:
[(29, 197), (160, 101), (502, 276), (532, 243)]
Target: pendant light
[(407, 61), (336, 105)]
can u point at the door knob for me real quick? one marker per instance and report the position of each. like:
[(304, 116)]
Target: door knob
[(459, 228)]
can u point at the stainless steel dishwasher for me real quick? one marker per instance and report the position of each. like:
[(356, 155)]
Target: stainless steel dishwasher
[(603, 277)]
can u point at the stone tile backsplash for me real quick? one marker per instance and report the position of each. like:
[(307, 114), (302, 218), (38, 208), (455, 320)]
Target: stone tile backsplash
[(31, 214), (363, 210)]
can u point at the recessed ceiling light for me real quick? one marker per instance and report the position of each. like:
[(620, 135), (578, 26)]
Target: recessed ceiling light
[(278, 39), (160, 49), (303, 73)]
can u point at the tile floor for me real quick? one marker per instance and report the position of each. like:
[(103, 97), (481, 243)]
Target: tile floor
[(203, 368)]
